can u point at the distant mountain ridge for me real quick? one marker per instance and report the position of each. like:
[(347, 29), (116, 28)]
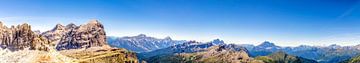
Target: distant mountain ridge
[(192, 51), (329, 54), (213, 54), (188, 47), (142, 43)]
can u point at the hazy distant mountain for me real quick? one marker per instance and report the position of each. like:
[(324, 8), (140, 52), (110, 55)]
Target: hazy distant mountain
[(142, 43), (263, 49), (213, 54), (329, 54), (188, 47)]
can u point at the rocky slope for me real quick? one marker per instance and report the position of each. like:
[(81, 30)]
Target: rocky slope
[(142, 43), (213, 54), (21, 37)]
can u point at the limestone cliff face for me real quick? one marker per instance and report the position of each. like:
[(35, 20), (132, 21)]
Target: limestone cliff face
[(91, 34), (21, 37), (55, 34), (61, 37)]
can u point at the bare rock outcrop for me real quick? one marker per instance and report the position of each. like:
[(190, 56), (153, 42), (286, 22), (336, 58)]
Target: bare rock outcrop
[(89, 35), (21, 37)]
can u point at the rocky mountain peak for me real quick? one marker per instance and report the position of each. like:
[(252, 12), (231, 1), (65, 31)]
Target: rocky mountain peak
[(267, 44), (89, 35), (59, 27), (70, 26), (94, 22), (21, 37), (217, 42)]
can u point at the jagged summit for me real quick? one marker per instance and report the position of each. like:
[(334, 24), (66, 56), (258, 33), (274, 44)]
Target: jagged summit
[(267, 44), (21, 37), (70, 26), (91, 34), (58, 27), (94, 21), (217, 42)]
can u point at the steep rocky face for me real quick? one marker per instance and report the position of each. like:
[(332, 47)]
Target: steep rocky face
[(55, 34), (21, 37), (91, 34)]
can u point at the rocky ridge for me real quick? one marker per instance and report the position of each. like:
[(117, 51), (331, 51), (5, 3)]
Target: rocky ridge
[(91, 34), (86, 43), (21, 37), (214, 54)]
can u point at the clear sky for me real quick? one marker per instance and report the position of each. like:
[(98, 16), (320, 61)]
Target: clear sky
[(284, 22)]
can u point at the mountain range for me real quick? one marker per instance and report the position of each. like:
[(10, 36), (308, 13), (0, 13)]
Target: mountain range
[(142, 43), (322, 54), (88, 43)]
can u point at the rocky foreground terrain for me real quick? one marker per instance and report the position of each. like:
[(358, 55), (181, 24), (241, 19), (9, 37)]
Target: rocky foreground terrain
[(63, 44)]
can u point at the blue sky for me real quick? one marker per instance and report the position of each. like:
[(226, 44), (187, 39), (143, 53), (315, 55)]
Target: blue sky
[(284, 22)]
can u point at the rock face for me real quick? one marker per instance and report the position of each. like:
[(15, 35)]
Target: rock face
[(91, 34), (21, 37), (63, 44), (55, 34), (62, 37), (142, 43)]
